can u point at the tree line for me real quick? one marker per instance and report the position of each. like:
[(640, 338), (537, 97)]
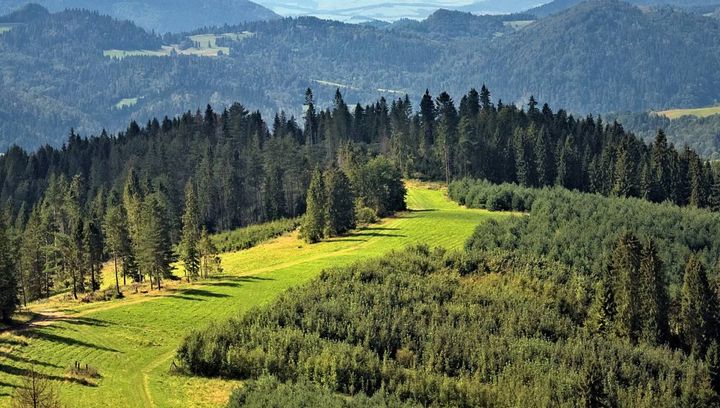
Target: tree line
[(150, 196)]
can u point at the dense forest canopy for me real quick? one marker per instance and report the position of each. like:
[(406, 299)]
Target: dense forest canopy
[(669, 63), (431, 328)]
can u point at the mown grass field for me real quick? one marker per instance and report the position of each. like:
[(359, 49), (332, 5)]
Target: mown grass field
[(132, 341), (698, 112), (207, 47)]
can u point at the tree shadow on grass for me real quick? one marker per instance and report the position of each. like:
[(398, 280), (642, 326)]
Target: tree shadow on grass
[(203, 293), (193, 299), (23, 372), (55, 338), (24, 360), (87, 321), (12, 342)]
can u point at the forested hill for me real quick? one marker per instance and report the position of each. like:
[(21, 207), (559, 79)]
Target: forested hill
[(557, 6), (597, 57), (610, 56), (161, 15)]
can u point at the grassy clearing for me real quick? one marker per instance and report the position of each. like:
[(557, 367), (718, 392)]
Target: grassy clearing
[(698, 112), (207, 47), (126, 103), (132, 341)]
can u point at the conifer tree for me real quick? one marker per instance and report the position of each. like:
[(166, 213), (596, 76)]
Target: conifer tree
[(652, 299), (712, 360), (117, 238), (660, 167), (697, 312), (313, 227), (311, 124), (32, 259), (427, 117), (340, 207), (209, 260), (447, 123), (601, 314), (8, 281), (190, 233), (625, 265), (155, 253), (623, 180), (543, 158)]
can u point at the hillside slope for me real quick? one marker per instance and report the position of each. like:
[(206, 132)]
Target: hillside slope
[(161, 15), (132, 342), (598, 57)]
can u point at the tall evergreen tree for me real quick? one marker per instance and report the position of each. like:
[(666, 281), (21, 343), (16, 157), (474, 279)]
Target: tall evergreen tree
[(697, 314), (625, 268), (8, 280), (313, 227), (311, 120), (117, 238), (32, 259), (340, 206), (652, 300), (447, 123), (155, 256), (190, 234), (601, 314)]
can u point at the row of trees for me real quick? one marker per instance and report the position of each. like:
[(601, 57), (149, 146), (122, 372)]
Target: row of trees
[(112, 197), (631, 301), (334, 198), (534, 147)]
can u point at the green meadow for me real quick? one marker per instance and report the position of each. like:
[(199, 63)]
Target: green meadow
[(698, 112), (132, 342)]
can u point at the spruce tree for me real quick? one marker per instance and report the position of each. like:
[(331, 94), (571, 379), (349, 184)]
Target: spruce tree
[(625, 265), (661, 167), (543, 158), (208, 254), (446, 135), (117, 238), (313, 227), (190, 233), (601, 314), (652, 298), (8, 281), (697, 312), (340, 207), (712, 360), (32, 259), (155, 253)]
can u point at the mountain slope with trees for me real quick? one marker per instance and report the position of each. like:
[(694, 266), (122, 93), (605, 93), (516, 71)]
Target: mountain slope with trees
[(271, 68), (161, 16)]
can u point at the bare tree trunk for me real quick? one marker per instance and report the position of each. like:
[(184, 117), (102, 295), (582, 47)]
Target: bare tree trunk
[(117, 280), (92, 277)]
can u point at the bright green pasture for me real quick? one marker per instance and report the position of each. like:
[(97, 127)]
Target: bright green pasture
[(698, 112), (132, 342)]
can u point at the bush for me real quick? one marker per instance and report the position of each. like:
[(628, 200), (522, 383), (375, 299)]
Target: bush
[(248, 237), (366, 216)]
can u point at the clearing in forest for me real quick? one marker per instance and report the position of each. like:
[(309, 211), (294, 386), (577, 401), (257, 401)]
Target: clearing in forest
[(132, 342)]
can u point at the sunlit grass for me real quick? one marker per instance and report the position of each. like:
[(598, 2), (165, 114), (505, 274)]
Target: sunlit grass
[(132, 341)]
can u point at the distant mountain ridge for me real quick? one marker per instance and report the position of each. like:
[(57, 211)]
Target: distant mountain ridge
[(161, 15), (557, 6), (599, 56)]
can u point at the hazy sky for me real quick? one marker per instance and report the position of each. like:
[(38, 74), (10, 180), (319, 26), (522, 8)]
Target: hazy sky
[(348, 10)]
